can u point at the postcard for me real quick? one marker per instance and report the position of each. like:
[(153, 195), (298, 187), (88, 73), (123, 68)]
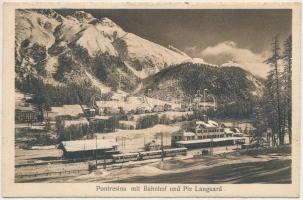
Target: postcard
[(143, 99)]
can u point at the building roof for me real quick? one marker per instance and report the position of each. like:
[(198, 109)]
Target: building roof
[(25, 108), (183, 133), (213, 122), (84, 106), (227, 130), (209, 140), (86, 145), (75, 122), (72, 110), (237, 130), (189, 134), (102, 117), (206, 124)]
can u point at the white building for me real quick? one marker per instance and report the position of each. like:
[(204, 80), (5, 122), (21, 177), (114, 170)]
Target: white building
[(204, 129)]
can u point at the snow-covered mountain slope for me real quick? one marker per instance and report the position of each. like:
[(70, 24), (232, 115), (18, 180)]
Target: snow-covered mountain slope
[(257, 84), (154, 57), (32, 27), (231, 64), (201, 61), (60, 34), (78, 48)]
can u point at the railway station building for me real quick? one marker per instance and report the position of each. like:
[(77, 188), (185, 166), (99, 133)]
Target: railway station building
[(88, 149)]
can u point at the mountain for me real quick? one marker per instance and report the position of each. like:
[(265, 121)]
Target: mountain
[(97, 54), (186, 79), (48, 37)]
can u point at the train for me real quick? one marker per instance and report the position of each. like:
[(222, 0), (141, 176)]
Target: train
[(145, 155), (207, 143)]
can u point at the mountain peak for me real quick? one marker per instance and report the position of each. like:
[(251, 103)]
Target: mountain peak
[(108, 22), (82, 16), (202, 61), (171, 47), (230, 64), (50, 13)]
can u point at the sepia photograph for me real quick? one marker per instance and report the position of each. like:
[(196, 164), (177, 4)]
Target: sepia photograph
[(153, 96)]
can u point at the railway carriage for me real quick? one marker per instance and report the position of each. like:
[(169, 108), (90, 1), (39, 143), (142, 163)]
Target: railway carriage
[(150, 154), (175, 152), (119, 158)]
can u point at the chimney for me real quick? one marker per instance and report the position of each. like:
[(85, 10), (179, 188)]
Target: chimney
[(205, 118)]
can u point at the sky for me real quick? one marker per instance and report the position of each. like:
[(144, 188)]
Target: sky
[(217, 36)]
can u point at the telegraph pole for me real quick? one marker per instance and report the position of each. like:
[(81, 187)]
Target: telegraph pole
[(162, 152), (204, 91), (96, 153), (211, 146), (104, 159)]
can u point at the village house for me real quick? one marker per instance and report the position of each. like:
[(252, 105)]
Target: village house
[(75, 122), (158, 108), (89, 112), (27, 115)]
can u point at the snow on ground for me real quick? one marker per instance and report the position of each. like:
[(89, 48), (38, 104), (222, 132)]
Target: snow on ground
[(201, 61), (35, 27), (169, 114), (72, 110), (134, 140), (151, 53), (171, 47), (230, 166), (231, 64), (132, 102), (93, 40), (108, 28), (257, 84), (68, 29), (224, 168), (129, 123)]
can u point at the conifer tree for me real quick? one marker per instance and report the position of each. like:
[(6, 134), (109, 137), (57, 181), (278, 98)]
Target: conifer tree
[(273, 90), (287, 73)]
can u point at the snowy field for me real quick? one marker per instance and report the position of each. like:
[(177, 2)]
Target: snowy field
[(134, 140), (232, 167)]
